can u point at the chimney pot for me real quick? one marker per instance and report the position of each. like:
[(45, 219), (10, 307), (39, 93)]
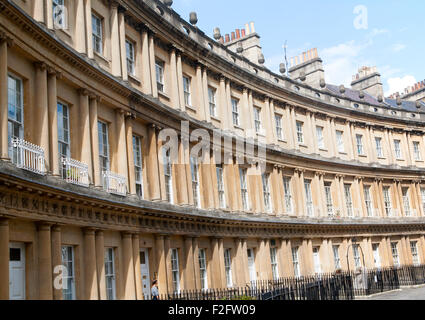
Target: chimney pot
[(247, 29), (252, 27), (238, 34), (227, 37), (243, 33), (233, 36)]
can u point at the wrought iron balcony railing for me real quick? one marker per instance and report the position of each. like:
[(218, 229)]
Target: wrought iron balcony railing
[(75, 172), (28, 156), (114, 183)]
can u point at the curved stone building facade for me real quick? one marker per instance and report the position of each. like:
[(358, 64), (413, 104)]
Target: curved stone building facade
[(89, 209)]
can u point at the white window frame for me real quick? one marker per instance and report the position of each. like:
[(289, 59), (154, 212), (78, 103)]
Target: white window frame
[(175, 270), (168, 175), (308, 198), (159, 73), (279, 130), (359, 142), (97, 23), (63, 19), (368, 201), (395, 255), (337, 259), (356, 256), (397, 149), (68, 277), (257, 119), (212, 93), (203, 269), (328, 197), (406, 201), (228, 267), (138, 164), (104, 158), (110, 274), (244, 188), (274, 263), (235, 111), (130, 57), (220, 186), (295, 261), (300, 134), (15, 125), (194, 169), (348, 200), (320, 138), (288, 194), (65, 142), (387, 201), (267, 198), (378, 144), (187, 90), (340, 141), (417, 151), (317, 263), (415, 253), (423, 199)]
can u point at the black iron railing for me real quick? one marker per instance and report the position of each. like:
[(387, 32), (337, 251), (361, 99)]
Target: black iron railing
[(336, 286)]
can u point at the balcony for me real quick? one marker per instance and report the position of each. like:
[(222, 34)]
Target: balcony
[(28, 156), (114, 183), (75, 172)]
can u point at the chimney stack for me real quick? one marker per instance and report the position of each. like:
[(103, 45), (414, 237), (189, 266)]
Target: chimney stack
[(245, 42), (308, 68), (369, 80)]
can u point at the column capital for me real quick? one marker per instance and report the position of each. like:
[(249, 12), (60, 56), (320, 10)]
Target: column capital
[(83, 92), (126, 234), (135, 236), (51, 71), (378, 179), (7, 39), (4, 221), (130, 115), (57, 228), (43, 226), (319, 173), (89, 231), (40, 65)]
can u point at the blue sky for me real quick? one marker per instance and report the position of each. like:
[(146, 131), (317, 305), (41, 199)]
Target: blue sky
[(393, 39)]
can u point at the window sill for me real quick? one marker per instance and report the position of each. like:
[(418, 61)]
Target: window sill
[(216, 119), (382, 158), (135, 79), (260, 134), (164, 95), (362, 155), (303, 145), (192, 108), (323, 149), (282, 140), (101, 56), (400, 159), (420, 160), (238, 127), (66, 32)]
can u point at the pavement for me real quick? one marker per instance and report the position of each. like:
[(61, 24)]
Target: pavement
[(416, 293)]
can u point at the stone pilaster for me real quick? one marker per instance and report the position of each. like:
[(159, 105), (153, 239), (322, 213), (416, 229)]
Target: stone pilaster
[(53, 122), (56, 257), (128, 267), (85, 138), (100, 264), (90, 273), (137, 271), (4, 259), (45, 279), (41, 130), (152, 165), (96, 174)]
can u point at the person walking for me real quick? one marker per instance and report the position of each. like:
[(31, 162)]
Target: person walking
[(154, 290)]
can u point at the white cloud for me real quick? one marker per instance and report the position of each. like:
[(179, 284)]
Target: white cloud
[(397, 47), (342, 61), (398, 84), (376, 32)]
